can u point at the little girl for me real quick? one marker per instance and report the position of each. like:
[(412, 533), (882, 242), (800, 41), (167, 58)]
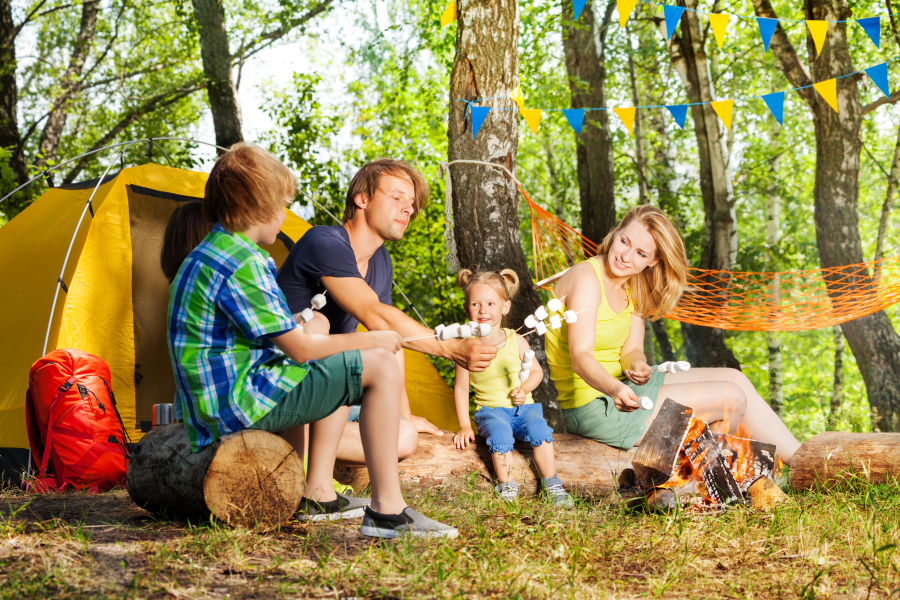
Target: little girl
[(506, 411)]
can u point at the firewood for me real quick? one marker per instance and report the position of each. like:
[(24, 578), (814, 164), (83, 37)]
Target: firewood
[(251, 478), (656, 459), (831, 457), (765, 494)]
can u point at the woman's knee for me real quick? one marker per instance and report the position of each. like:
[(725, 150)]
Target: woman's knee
[(409, 439)]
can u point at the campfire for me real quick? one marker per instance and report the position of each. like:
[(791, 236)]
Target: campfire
[(679, 458)]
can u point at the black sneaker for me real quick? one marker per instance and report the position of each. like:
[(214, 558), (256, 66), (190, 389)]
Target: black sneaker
[(409, 522), (345, 507)]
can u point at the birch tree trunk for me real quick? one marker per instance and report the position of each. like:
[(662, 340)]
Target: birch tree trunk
[(773, 234), (837, 393), (484, 200), (639, 162), (9, 95), (888, 204)]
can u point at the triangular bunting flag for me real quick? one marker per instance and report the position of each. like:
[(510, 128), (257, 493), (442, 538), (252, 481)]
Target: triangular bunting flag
[(673, 16), (625, 7), (724, 109), (775, 102), (766, 30), (818, 30), (872, 27), (828, 91), (627, 116), (575, 117), (519, 96), (479, 113), (577, 7), (679, 113), (532, 116), (449, 14), (879, 76), (719, 24)]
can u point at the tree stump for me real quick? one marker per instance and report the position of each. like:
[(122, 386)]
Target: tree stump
[(251, 478), (831, 457), (582, 464)]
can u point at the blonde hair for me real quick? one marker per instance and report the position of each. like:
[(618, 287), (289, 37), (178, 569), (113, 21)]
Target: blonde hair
[(505, 282), (655, 290)]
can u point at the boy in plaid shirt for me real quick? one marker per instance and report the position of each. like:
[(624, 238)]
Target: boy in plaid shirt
[(240, 360)]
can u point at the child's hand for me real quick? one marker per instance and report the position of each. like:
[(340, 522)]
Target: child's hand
[(518, 396), (389, 340), (465, 437)]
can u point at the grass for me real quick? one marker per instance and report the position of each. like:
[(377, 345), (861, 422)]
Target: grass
[(838, 543)]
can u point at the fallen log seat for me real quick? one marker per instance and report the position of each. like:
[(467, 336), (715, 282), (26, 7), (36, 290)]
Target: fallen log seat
[(831, 457), (251, 478), (582, 464)]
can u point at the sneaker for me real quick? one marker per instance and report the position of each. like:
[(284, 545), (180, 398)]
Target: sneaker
[(345, 507), (553, 490), (409, 522), (508, 490)]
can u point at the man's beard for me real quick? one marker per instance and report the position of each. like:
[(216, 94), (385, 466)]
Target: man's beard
[(389, 233)]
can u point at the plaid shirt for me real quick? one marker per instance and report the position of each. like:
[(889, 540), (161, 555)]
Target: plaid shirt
[(223, 306)]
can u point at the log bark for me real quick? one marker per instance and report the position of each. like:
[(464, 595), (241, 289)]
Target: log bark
[(833, 457), (251, 478), (582, 464)]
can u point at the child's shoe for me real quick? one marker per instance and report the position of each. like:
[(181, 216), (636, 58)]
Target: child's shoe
[(553, 490), (508, 490)]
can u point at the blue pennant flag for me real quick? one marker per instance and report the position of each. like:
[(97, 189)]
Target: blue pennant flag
[(878, 74), (679, 113), (673, 16), (577, 6), (872, 27), (775, 102), (479, 113), (575, 117), (766, 30)]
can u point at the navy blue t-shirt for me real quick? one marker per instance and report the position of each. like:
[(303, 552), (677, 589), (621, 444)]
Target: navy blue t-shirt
[(325, 251)]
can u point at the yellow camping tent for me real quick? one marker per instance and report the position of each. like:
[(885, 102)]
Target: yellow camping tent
[(112, 297)]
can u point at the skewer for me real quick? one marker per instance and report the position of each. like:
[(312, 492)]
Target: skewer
[(541, 323)]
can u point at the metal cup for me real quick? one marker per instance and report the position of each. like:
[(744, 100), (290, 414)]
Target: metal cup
[(162, 414)]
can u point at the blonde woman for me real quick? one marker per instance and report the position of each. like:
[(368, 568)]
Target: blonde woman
[(598, 363)]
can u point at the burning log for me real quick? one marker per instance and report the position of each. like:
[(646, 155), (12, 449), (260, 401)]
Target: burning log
[(831, 457)]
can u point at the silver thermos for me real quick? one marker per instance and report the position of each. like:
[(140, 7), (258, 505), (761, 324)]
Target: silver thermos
[(162, 414)]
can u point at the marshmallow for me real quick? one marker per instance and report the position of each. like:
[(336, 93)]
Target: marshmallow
[(306, 315), (472, 325), (555, 323), (454, 331), (465, 332), (529, 354), (300, 327), (530, 321), (523, 376), (437, 331), (445, 334), (318, 301), (666, 366), (541, 313), (483, 329), (683, 365), (526, 365), (540, 328), (555, 305), (570, 316), (645, 403)]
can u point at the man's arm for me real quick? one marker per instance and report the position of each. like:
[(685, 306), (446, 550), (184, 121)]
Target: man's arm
[(359, 300)]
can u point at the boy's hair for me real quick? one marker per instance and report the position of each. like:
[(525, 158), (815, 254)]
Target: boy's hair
[(246, 186), (505, 282), (368, 178), (184, 232)]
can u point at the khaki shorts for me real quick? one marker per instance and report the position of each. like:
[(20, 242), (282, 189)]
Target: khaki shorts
[(601, 421)]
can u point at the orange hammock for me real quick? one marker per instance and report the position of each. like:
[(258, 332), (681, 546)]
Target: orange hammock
[(737, 300)]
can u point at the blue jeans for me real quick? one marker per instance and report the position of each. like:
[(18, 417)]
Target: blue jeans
[(501, 427)]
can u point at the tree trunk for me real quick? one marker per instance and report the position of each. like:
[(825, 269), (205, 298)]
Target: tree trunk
[(662, 338), (773, 233), (70, 85), (639, 162), (888, 204), (837, 393), (705, 346), (214, 49), (872, 338), (251, 478), (584, 44), (9, 97), (833, 458), (484, 200)]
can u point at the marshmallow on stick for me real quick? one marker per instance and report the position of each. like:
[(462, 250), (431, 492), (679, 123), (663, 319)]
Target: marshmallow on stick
[(541, 313), (645, 403), (318, 301), (554, 305), (674, 366)]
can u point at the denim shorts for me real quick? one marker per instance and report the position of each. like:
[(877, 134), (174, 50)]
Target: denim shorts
[(501, 427), (353, 417)]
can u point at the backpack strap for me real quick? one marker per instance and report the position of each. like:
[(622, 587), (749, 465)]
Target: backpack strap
[(59, 394)]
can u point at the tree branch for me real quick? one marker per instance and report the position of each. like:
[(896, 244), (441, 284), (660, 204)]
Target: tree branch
[(266, 39), (794, 70), (881, 102)]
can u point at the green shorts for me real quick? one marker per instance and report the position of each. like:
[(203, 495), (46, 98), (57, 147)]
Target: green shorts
[(601, 421), (331, 383)]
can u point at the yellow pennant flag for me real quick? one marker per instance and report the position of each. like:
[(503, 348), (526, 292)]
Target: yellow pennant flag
[(627, 116), (519, 96), (818, 29), (532, 116), (719, 24), (724, 108), (449, 14), (625, 8), (828, 91)]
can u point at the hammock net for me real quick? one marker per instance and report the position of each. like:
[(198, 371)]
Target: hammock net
[(737, 300)]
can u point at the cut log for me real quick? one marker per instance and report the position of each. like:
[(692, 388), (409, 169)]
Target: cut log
[(658, 457), (582, 464), (832, 457), (251, 478)]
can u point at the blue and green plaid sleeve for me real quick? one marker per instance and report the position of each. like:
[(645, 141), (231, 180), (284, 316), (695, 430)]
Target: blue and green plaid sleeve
[(254, 303)]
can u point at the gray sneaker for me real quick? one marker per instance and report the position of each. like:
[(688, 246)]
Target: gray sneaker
[(409, 522), (553, 490), (345, 507), (508, 490)]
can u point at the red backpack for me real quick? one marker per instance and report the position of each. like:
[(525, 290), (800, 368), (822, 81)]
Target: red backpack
[(73, 425)]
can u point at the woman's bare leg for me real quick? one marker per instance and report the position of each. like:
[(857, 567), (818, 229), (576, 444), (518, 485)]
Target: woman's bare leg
[(350, 452)]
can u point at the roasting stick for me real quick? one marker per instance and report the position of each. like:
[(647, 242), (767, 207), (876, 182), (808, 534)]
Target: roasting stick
[(533, 330)]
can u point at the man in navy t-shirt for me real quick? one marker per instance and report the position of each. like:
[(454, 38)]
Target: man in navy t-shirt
[(350, 263)]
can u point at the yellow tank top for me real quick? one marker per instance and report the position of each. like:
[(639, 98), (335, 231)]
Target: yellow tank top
[(612, 331), (493, 385)]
